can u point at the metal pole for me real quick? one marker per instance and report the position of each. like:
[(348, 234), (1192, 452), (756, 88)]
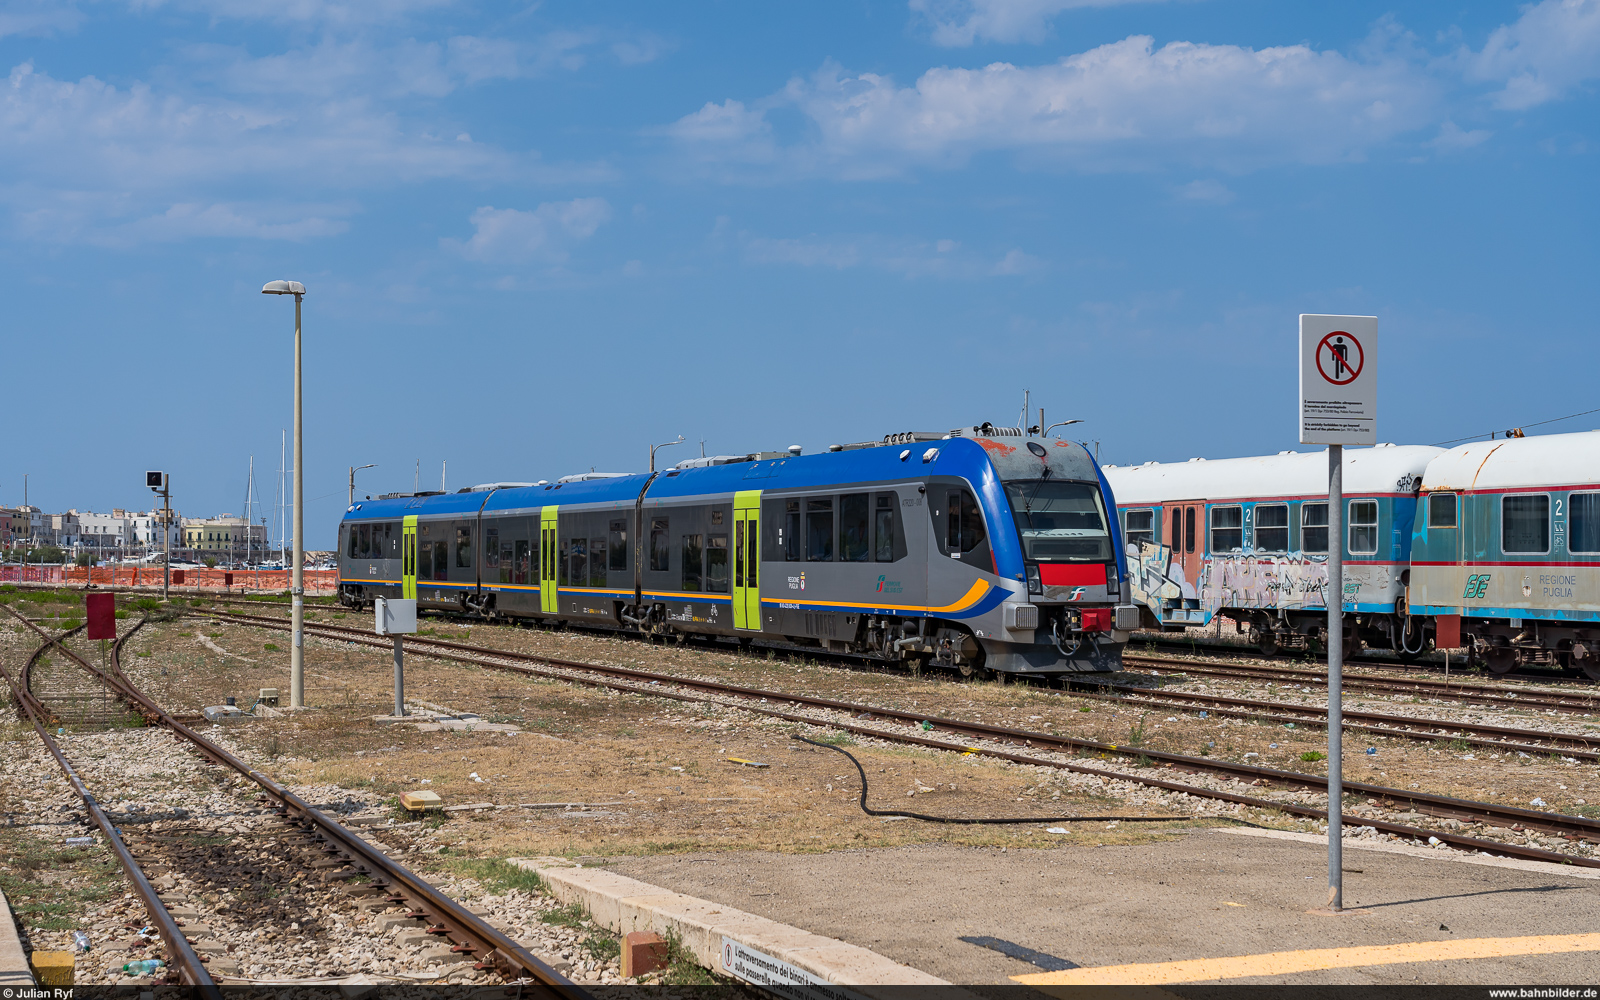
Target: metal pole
[(399, 677), (166, 538), (297, 665), (352, 486), (1335, 602)]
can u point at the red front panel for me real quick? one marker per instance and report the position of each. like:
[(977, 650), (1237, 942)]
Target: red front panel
[(102, 613), (1072, 574), (1097, 619)]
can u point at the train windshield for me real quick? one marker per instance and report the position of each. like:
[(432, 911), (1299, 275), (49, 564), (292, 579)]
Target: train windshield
[(1060, 521)]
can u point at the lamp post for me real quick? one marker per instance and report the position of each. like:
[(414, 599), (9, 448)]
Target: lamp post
[(667, 444), (297, 666), (1063, 423), (353, 470)]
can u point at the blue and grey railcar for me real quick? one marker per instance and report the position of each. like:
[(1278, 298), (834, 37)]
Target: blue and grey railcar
[(1506, 559), (973, 550), (1247, 538)]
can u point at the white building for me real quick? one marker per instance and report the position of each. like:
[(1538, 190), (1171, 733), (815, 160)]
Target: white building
[(102, 533)]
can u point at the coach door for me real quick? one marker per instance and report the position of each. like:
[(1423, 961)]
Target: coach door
[(548, 598), (408, 558), (1183, 534), (747, 560)]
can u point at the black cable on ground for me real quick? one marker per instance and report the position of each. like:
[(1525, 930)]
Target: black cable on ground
[(990, 822)]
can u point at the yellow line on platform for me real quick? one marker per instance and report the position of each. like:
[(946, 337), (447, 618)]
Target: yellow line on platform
[(1282, 963)]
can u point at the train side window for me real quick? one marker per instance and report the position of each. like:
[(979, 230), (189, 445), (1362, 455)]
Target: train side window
[(355, 535), (441, 560), (619, 546), (1314, 527), (506, 562), (1363, 527), (1525, 523), (819, 530), (491, 548), (463, 548), (660, 546), (524, 552), (1583, 523), (883, 535), (1188, 529), (562, 579), (789, 532), (1441, 510), (1140, 527), (855, 542), (963, 523), (1272, 527), (717, 564), (424, 566), (580, 562), (692, 556), (717, 514), (1227, 529), (597, 562)]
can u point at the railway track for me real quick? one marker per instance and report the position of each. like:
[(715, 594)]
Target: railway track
[(1472, 694), (768, 703), (328, 846)]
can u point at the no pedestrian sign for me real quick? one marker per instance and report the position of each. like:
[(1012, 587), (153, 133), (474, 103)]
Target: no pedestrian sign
[(1338, 379)]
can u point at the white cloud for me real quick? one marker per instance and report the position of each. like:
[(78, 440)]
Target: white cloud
[(909, 258), (1126, 104), (1207, 190), (962, 22), (320, 12), (1553, 47), (1453, 138), (38, 17), (507, 234)]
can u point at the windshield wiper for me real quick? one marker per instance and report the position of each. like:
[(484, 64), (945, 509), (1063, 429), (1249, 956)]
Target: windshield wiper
[(1027, 502)]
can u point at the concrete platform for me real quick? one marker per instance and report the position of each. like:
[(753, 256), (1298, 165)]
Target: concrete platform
[(1208, 894), (14, 970)]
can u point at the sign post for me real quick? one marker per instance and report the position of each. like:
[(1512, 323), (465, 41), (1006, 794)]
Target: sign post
[(1338, 406), (396, 617)]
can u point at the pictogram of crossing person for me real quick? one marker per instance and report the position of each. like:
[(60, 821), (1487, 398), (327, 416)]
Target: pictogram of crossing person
[(1340, 358)]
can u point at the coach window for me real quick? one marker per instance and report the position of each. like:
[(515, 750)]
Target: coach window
[(355, 535), (717, 564), (441, 560), (619, 545), (1314, 527), (1583, 523), (660, 546), (963, 522), (491, 548), (1363, 527), (562, 579), (883, 527), (507, 561), (789, 531), (1141, 527), (1188, 529), (854, 524), (1441, 510), (597, 562), (1525, 523), (692, 544), (1272, 527), (1227, 529), (464, 548), (819, 529), (523, 558), (579, 554)]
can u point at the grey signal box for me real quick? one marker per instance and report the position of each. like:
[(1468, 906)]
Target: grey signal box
[(394, 616)]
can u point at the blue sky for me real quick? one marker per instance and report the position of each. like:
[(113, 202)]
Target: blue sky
[(538, 238)]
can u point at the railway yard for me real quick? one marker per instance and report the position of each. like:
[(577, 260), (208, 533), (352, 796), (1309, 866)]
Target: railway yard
[(1170, 813)]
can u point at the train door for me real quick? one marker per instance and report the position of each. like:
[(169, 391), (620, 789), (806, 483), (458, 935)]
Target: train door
[(747, 560), (548, 598), (408, 558), (1184, 526)]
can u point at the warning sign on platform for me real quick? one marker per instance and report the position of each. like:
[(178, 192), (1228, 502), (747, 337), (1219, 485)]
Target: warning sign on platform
[(1338, 379), (777, 976)]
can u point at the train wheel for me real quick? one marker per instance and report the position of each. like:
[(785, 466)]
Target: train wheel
[(1590, 668), (1268, 643), (1501, 659)]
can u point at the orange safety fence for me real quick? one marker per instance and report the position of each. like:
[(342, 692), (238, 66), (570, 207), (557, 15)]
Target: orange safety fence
[(317, 581)]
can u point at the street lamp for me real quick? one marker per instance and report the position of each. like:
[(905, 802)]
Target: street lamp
[(665, 445), (1063, 423), (297, 666), (353, 470)]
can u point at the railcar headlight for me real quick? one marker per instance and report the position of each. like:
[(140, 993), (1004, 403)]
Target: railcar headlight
[(1111, 579), (1034, 586)]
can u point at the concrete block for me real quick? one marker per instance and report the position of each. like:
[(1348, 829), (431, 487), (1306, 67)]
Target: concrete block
[(210, 946), (414, 937), (440, 954), (422, 801), (222, 967), (53, 968), (385, 921), (643, 952)]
